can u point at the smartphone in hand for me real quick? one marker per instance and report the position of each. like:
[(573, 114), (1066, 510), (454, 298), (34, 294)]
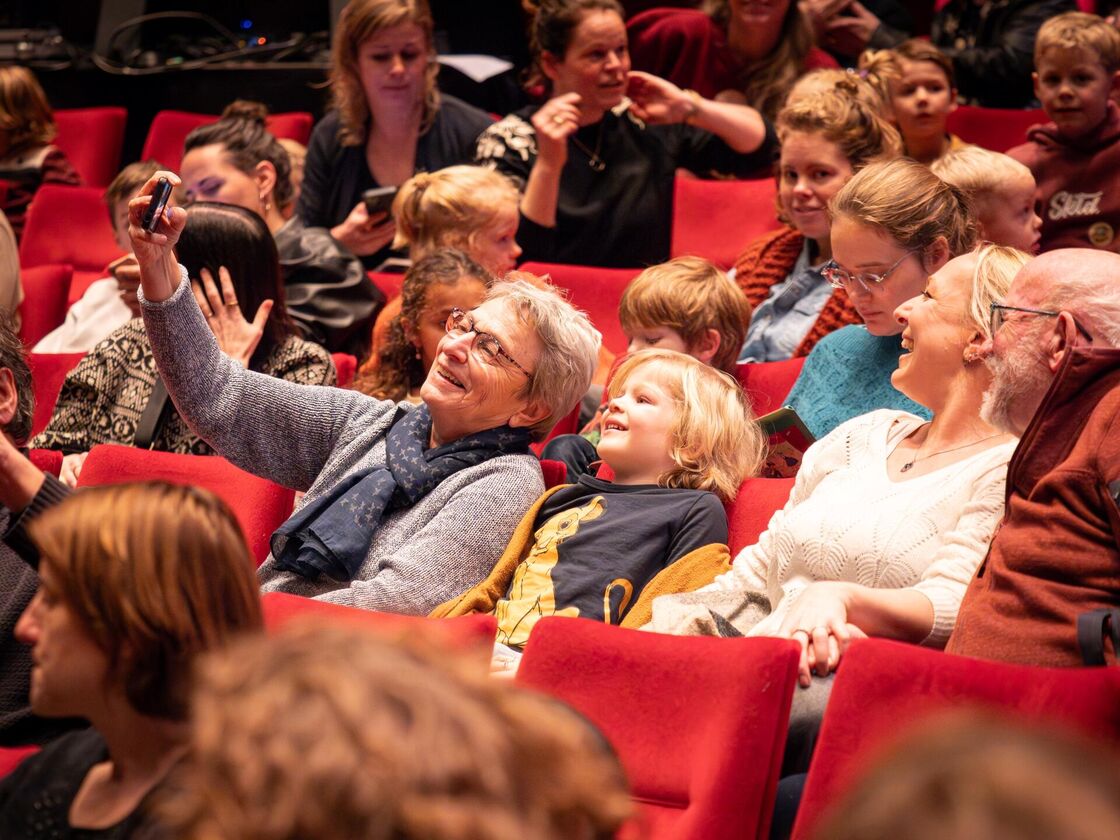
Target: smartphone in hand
[(160, 195), (379, 200)]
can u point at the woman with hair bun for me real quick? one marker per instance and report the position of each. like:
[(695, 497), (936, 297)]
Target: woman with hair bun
[(389, 122), (597, 160), (752, 51), (237, 161), (826, 138), (135, 582)]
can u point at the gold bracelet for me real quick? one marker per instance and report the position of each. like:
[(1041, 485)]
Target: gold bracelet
[(696, 99)]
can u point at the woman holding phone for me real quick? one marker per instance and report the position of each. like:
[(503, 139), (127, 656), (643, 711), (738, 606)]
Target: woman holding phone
[(389, 122)]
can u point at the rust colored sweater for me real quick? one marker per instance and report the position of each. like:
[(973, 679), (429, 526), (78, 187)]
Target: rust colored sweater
[(1057, 552), (767, 261)]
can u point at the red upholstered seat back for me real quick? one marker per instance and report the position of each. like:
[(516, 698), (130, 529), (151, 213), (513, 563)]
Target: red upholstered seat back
[(69, 225), (769, 383), (750, 512), (92, 139), (597, 291), (259, 505), (169, 129), (46, 289), (699, 724), (475, 630), (882, 684), (48, 372), (12, 757), (718, 219), (345, 366), (997, 129)]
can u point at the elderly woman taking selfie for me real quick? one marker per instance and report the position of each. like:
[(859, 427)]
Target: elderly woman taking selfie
[(404, 507)]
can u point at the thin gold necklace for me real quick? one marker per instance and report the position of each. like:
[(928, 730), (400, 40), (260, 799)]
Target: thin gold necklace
[(905, 467), (596, 163)]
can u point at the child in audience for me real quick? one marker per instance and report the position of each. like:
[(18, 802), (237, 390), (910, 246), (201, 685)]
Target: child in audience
[(27, 158), (680, 439), (1000, 191), (826, 138), (922, 97), (1074, 158), (685, 304), (870, 84), (109, 303)]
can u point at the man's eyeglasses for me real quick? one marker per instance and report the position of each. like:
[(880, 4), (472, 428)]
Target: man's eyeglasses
[(998, 318), (841, 278), (460, 323)]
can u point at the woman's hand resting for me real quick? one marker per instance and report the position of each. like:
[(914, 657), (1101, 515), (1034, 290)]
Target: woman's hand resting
[(72, 468), (237, 337), (818, 621)]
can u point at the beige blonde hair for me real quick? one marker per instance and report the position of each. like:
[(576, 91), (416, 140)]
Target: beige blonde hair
[(448, 208), (913, 206), (332, 731), (690, 296), (359, 21), (869, 86), (25, 114), (845, 121), (980, 174), (1078, 30), (157, 573), (716, 441), (996, 267), (768, 81)]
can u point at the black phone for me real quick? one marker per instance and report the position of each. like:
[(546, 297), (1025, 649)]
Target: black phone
[(160, 194), (379, 200)]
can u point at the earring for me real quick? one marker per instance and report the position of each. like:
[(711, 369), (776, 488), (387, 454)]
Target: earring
[(419, 357), (971, 355), (267, 205)]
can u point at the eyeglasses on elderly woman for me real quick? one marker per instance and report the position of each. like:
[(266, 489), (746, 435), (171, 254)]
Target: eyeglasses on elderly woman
[(460, 323)]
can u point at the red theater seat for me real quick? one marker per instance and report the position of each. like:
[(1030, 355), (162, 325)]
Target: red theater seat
[(718, 219), (475, 630), (698, 723), (390, 284), (259, 505), (997, 129), (69, 225), (769, 383), (48, 372), (12, 757), (45, 293), (345, 366), (749, 514), (881, 684), (92, 139), (169, 129), (597, 291)]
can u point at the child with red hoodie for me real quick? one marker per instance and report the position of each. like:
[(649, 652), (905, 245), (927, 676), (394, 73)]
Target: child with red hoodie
[(1076, 158)]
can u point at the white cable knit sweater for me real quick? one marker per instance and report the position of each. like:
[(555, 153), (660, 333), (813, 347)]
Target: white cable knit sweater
[(848, 520)]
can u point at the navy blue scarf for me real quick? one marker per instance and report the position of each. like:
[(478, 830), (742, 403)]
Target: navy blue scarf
[(331, 535)]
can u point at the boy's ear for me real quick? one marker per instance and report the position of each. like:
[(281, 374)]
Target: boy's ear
[(706, 346), (1034, 82), (952, 100)]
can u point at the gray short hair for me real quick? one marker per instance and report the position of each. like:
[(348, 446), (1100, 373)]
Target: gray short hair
[(569, 347), (1086, 288)]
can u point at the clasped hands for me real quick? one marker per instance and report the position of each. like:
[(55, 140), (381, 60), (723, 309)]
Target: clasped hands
[(818, 621), (847, 34)]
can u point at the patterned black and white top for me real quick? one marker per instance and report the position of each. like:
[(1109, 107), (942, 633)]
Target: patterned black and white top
[(104, 397)]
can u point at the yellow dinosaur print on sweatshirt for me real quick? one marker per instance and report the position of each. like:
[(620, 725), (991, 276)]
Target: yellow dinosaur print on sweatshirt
[(531, 593)]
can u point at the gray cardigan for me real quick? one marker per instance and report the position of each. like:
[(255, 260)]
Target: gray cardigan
[(310, 438)]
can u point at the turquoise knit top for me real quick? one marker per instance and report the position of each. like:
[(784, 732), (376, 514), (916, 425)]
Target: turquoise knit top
[(848, 373)]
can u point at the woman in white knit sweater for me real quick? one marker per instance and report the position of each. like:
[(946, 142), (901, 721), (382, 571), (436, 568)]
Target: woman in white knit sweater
[(890, 515)]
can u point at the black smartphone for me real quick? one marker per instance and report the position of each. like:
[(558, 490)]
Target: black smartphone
[(379, 200), (160, 194)]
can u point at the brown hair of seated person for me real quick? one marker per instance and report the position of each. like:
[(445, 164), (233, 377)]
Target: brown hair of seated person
[(12, 359), (26, 118), (156, 573), (400, 367), (551, 27), (335, 731), (972, 774)]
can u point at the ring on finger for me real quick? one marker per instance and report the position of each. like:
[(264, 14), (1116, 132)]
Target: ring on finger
[(558, 119)]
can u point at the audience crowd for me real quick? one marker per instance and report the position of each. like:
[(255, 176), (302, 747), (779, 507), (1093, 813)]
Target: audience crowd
[(946, 317)]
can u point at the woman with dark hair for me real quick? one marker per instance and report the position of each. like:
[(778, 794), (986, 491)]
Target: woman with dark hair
[(389, 121), (114, 395), (751, 52), (237, 161), (435, 285), (135, 582), (597, 160)]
